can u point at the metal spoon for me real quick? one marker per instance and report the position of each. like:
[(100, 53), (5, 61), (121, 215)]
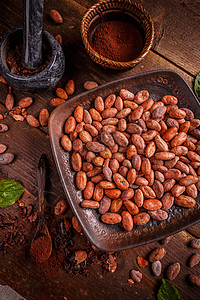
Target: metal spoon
[(42, 228)]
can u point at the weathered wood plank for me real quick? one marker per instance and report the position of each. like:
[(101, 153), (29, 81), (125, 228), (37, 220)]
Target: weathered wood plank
[(29, 143)]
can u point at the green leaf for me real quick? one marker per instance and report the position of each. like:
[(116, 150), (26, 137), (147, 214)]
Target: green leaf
[(10, 191), (197, 86), (168, 291)]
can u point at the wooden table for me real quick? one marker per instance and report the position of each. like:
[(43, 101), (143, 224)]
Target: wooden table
[(177, 48)]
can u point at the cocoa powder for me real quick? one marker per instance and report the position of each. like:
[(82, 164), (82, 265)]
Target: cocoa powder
[(40, 249), (15, 65), (117, 40)]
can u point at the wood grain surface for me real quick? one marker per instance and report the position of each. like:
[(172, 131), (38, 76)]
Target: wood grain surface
[(176, 48)]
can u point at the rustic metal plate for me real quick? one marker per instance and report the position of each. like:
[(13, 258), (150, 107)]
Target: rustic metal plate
[(114, 237)]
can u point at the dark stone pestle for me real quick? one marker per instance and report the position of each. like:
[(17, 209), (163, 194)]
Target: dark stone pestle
[(32, 33), (32, 36)]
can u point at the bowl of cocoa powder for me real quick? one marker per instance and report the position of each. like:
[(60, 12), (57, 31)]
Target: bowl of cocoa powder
[(117, 34)]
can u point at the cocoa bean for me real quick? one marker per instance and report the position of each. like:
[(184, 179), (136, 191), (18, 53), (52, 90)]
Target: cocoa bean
[(173, 271)]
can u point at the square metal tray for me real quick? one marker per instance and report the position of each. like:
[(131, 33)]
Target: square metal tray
[(114, 237)]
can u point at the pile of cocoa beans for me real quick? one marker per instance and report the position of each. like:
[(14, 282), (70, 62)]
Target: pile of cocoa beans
[(134, 158)]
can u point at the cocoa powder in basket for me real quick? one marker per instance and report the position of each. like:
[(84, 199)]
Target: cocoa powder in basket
[(117, 40)]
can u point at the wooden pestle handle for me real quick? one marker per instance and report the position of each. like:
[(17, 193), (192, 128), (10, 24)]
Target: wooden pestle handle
[(32, 33)]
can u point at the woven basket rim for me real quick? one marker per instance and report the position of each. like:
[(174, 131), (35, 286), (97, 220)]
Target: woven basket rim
[(118, 64)]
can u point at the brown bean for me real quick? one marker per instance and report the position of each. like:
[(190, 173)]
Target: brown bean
[(104, 205), (138, 141), (44, 117), (120, 139), (127, 220), (141, 219), (131, 150), (3, 127), (152, 204), (99, 104), (139, 197), (6, 158), (89, 85), (193, 156), (60, 208), (91, 129), (169, 100), (141, 181), (157, 254), (188, 180), (136, 162), (109, 113), (111, 218), (137, 113), (150, 149), (89, 190), (116, 205), (161, 144), (118, 103), (171, 163), (76, 161), (66, 143), (95, 146), (177, 190), (194, 260), (185, 201), (173, 270), (81, 180), (107, 173), (179, 139), (146, 166), (130, 104), (2, 148), (158, 215), (95, 115), (172, 174), (131, 176), (119, 156), (70, 125), (172, 122), (141, 96), (134, 128), (113, 194), (177, 113), (56, 102), (195, 244), (153, 124), (98, 193), (107, 185), (159, 112), (164, 155), (159, 176), (120, 181), (32, 121), (126, 95), (123, 113), (131, 206), (110, 100), (195, 280), (167, 201), (90, 204), (170, 133), (148, 192), (127, 194), (191, 190)]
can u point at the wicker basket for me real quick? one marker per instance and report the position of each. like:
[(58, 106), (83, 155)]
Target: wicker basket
[(128, 6)]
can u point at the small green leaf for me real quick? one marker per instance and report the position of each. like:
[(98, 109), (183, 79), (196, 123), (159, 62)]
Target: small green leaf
[(197, 86), (168, 291), (10, 191)]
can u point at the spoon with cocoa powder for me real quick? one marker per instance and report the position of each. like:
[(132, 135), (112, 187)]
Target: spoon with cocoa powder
[(41, 245)]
